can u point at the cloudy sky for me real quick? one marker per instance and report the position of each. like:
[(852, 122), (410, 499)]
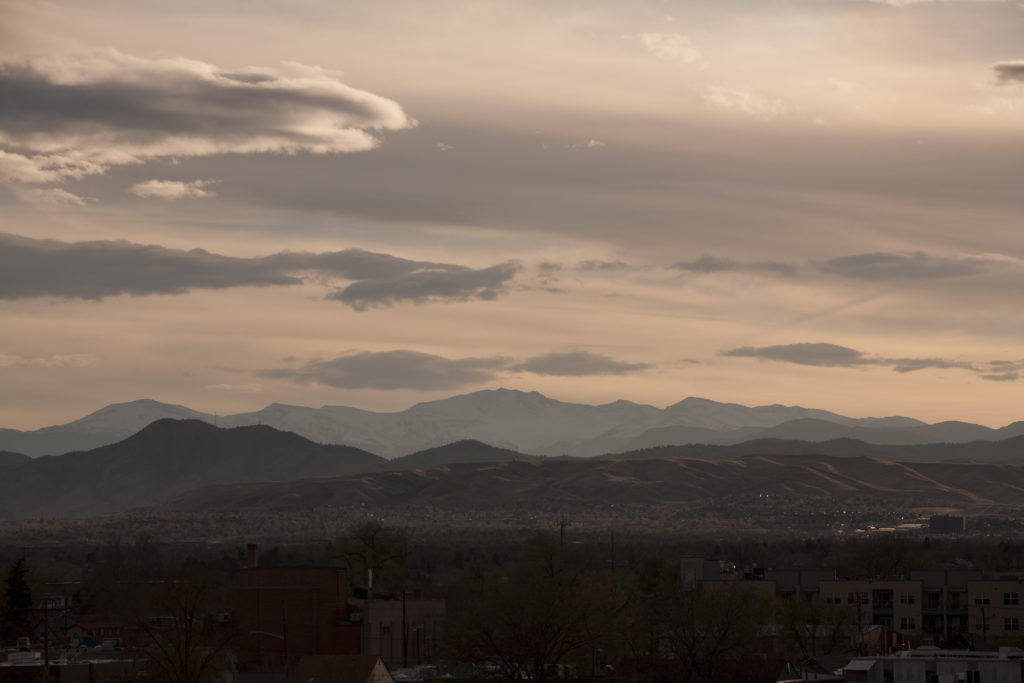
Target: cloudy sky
[(227, 204)]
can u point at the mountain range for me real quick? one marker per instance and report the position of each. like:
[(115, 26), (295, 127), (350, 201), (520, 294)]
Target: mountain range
[(189, 464), (527, 422)]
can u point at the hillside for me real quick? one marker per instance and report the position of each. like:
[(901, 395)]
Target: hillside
[(9, 459), (167, 458), (1006, 451), (467, 450), (802, 479)]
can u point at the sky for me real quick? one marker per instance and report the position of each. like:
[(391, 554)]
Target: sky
[(226, 204)]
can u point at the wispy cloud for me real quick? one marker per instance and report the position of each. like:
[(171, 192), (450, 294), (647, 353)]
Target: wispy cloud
[(671, 46), (603, 265), (822, 354), (72, 360), (172, 189), (916, 265), (742, 101)]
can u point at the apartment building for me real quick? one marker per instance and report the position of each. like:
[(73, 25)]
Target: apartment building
[(924, 607)]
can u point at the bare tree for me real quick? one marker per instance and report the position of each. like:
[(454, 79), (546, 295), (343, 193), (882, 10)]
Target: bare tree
[(709, 631), (185, 643), (371, 546), (553, 607)]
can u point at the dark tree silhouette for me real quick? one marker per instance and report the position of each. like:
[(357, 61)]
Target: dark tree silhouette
[(18, 603), (553, 607), (370, 546)]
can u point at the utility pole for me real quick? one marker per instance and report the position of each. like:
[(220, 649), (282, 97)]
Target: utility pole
[(284, 637), (46, 633)]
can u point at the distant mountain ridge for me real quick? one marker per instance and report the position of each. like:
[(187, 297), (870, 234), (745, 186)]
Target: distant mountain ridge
[(527, 422), (169, 459)]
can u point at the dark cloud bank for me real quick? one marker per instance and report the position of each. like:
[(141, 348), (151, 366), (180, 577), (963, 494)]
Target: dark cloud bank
[(95, 270)]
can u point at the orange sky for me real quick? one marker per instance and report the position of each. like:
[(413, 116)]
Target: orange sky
[(811, 203)]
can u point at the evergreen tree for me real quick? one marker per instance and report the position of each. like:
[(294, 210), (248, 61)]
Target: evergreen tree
[(16, 620)]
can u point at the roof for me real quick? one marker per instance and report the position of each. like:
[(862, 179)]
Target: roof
[(341, 669), (859, 665)]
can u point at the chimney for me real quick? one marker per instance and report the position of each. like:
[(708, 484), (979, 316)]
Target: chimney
[(252, 555)]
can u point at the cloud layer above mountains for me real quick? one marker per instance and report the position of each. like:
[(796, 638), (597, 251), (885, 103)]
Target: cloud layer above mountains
[(96, 270), (405, 369), (591, 200)]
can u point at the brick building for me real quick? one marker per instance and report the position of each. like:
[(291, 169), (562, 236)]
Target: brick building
[(284, 613), (287, 612)]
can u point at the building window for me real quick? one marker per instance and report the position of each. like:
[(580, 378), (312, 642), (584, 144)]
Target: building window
[(1011, 598), (907, 623), (851, 598), (981, 599), (981, 624), (906, 598), (864, 598), (882, 598), (1011, 624), (833, 598)]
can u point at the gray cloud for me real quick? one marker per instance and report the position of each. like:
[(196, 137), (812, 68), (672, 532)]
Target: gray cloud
[(902, 266), (715, 264), (1001, 377), (806, 353), (577, 363), (833, 355), (603, 265), (399, 369), (1009, 72), (95, 270), (450, 283), (73, 116), (405, 369)]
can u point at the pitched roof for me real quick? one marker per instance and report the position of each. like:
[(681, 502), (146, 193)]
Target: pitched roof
[(341, 669)]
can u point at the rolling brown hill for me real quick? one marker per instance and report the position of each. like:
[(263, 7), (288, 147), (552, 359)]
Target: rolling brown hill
[(801, 478)]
